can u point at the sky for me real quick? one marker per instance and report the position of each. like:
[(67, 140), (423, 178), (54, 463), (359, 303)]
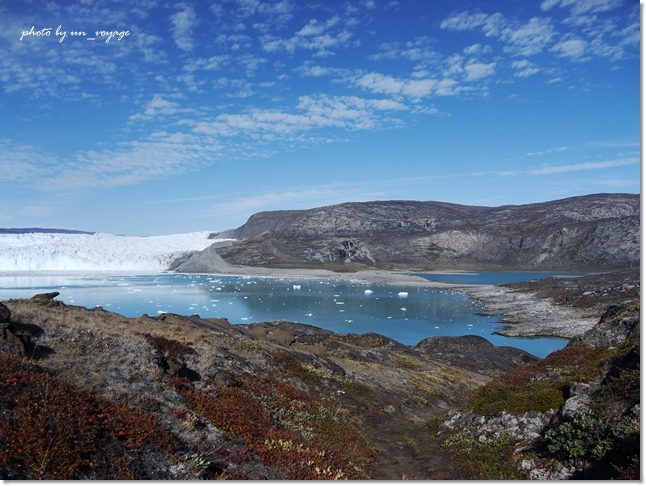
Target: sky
[(147, 117)]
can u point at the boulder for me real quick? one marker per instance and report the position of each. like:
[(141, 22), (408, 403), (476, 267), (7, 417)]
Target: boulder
[(21, 335), (23, 342), (5, 313), (48, 296)]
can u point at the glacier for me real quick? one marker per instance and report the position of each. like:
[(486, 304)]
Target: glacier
[(97, 252)]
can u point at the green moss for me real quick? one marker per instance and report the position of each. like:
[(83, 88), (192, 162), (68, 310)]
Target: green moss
[(485, 460), (357, 388), (406, 363), (493, 398)]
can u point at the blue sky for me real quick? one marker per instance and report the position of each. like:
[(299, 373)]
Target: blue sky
[(192, 116)]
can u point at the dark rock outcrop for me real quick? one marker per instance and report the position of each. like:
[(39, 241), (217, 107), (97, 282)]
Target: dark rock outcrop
[(588, 232), (21, 335), (617, 324), (5, 313), (47, 296), (475, 353)]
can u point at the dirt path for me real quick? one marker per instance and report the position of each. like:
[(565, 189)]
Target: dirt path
[(405, 450)]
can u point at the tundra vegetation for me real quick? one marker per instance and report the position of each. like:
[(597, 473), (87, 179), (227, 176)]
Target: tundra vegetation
[(90, 394)]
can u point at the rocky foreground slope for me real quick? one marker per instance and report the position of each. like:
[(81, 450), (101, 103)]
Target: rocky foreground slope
[(598, 231), (90, 394)]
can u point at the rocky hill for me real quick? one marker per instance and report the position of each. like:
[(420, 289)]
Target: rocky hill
[(598, 231)]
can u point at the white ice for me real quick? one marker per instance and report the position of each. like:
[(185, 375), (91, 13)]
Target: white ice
[(97, 252)]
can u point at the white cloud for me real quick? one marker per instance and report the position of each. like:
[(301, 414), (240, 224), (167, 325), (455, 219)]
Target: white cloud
[(21, 162), (558, 169), (210, 64), (183, 22), (159, 155), (418, 50), (603, 49), (491, 24), (479, 70), (524, 68), (447, 87), (454, 64), (379, 83), (313, 36), (346, 112), (580, 7), (159, 107), (521, 39), (570, 46), (241, 88), (530, 38), (476, 49), (314, 28)]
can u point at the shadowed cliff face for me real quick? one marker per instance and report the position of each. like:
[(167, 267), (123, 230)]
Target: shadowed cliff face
[(596, 231)]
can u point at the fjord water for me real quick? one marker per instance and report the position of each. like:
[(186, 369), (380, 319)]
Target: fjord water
[(339, 306)]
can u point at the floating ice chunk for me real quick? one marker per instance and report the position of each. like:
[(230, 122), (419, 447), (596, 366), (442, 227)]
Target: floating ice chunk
[(403, 294), (403, 308), (368, 292), (162, 312), (297, 287)]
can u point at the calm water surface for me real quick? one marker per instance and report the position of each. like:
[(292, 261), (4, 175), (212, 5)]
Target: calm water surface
[(492, 278), (339, 306)]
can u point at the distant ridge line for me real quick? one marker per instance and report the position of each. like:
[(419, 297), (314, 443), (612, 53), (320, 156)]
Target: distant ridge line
[(21, 231)]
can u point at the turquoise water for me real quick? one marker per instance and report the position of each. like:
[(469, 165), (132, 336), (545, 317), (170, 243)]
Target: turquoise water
[(339, 306), (492, 278)]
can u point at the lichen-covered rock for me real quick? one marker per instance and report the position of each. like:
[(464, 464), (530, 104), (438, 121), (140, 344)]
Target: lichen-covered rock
[(617, 324), (526, 426)]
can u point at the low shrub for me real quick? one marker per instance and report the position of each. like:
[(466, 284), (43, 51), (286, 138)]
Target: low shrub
[(485, 460), (295, 431), (169, 347), (52, 430)]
